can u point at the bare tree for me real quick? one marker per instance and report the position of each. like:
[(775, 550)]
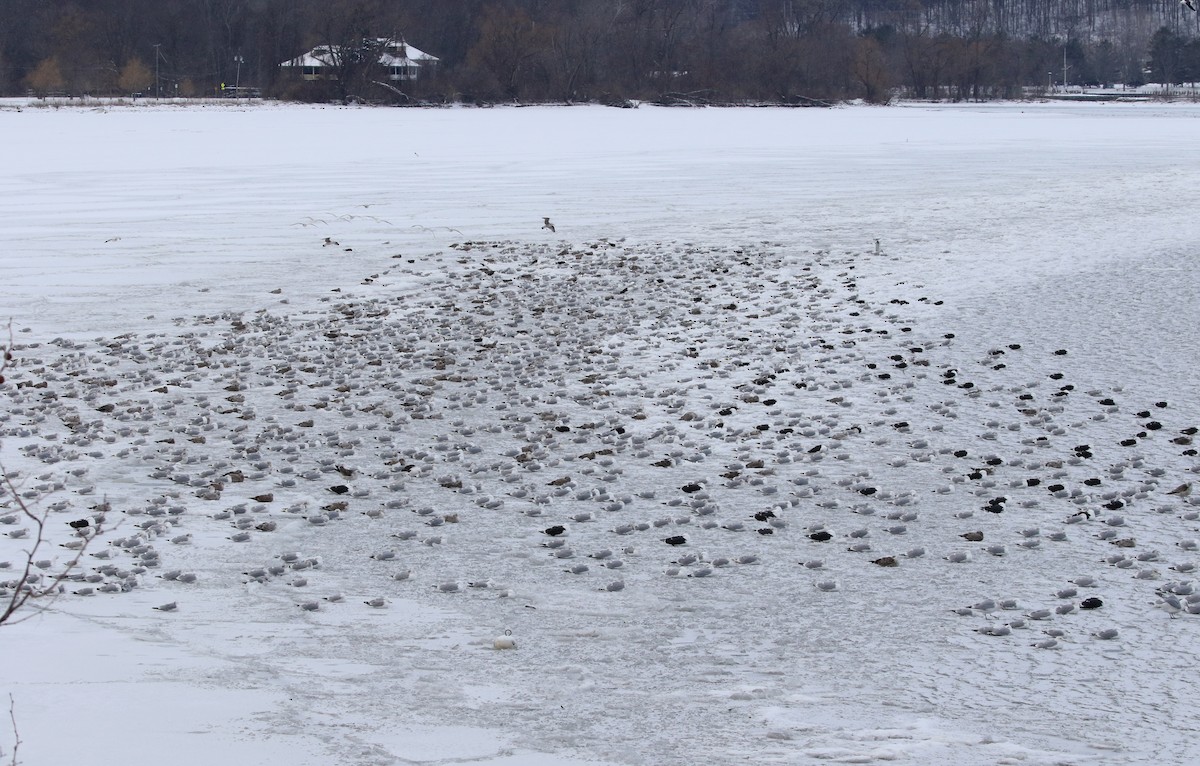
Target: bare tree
[(577, 43), (870, 70), (507, 52), (350, 34)]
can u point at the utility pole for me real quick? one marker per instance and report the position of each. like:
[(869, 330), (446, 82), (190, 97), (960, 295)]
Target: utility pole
[(237, 83), (157, 89), (1064, 68)]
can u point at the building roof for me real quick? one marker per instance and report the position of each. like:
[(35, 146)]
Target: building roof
[(395, 53)]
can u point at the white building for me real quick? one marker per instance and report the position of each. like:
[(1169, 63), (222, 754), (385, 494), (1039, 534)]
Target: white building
[(401, 61)]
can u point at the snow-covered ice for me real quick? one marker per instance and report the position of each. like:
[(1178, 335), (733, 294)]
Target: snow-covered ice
[(820, 501)]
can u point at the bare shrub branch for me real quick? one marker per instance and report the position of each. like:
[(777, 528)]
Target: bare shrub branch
[(30, 584), (12, 716)]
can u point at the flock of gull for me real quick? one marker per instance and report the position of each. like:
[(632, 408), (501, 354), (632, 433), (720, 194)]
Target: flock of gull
[(597, 419)]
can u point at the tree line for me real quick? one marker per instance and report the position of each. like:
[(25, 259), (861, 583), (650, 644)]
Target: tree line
[(670, 51)]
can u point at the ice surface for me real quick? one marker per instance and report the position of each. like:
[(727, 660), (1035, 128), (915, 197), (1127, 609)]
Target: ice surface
[(223, 276)]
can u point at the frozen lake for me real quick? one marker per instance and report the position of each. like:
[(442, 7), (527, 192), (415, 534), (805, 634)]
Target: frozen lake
[(709, 334)]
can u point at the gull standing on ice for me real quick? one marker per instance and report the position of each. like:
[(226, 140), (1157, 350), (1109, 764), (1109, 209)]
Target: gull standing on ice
[(1185, 489)]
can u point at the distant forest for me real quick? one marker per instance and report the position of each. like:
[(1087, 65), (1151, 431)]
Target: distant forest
[(611, 51)]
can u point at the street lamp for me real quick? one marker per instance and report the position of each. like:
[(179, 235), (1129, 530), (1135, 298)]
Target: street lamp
[(237, 83)]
